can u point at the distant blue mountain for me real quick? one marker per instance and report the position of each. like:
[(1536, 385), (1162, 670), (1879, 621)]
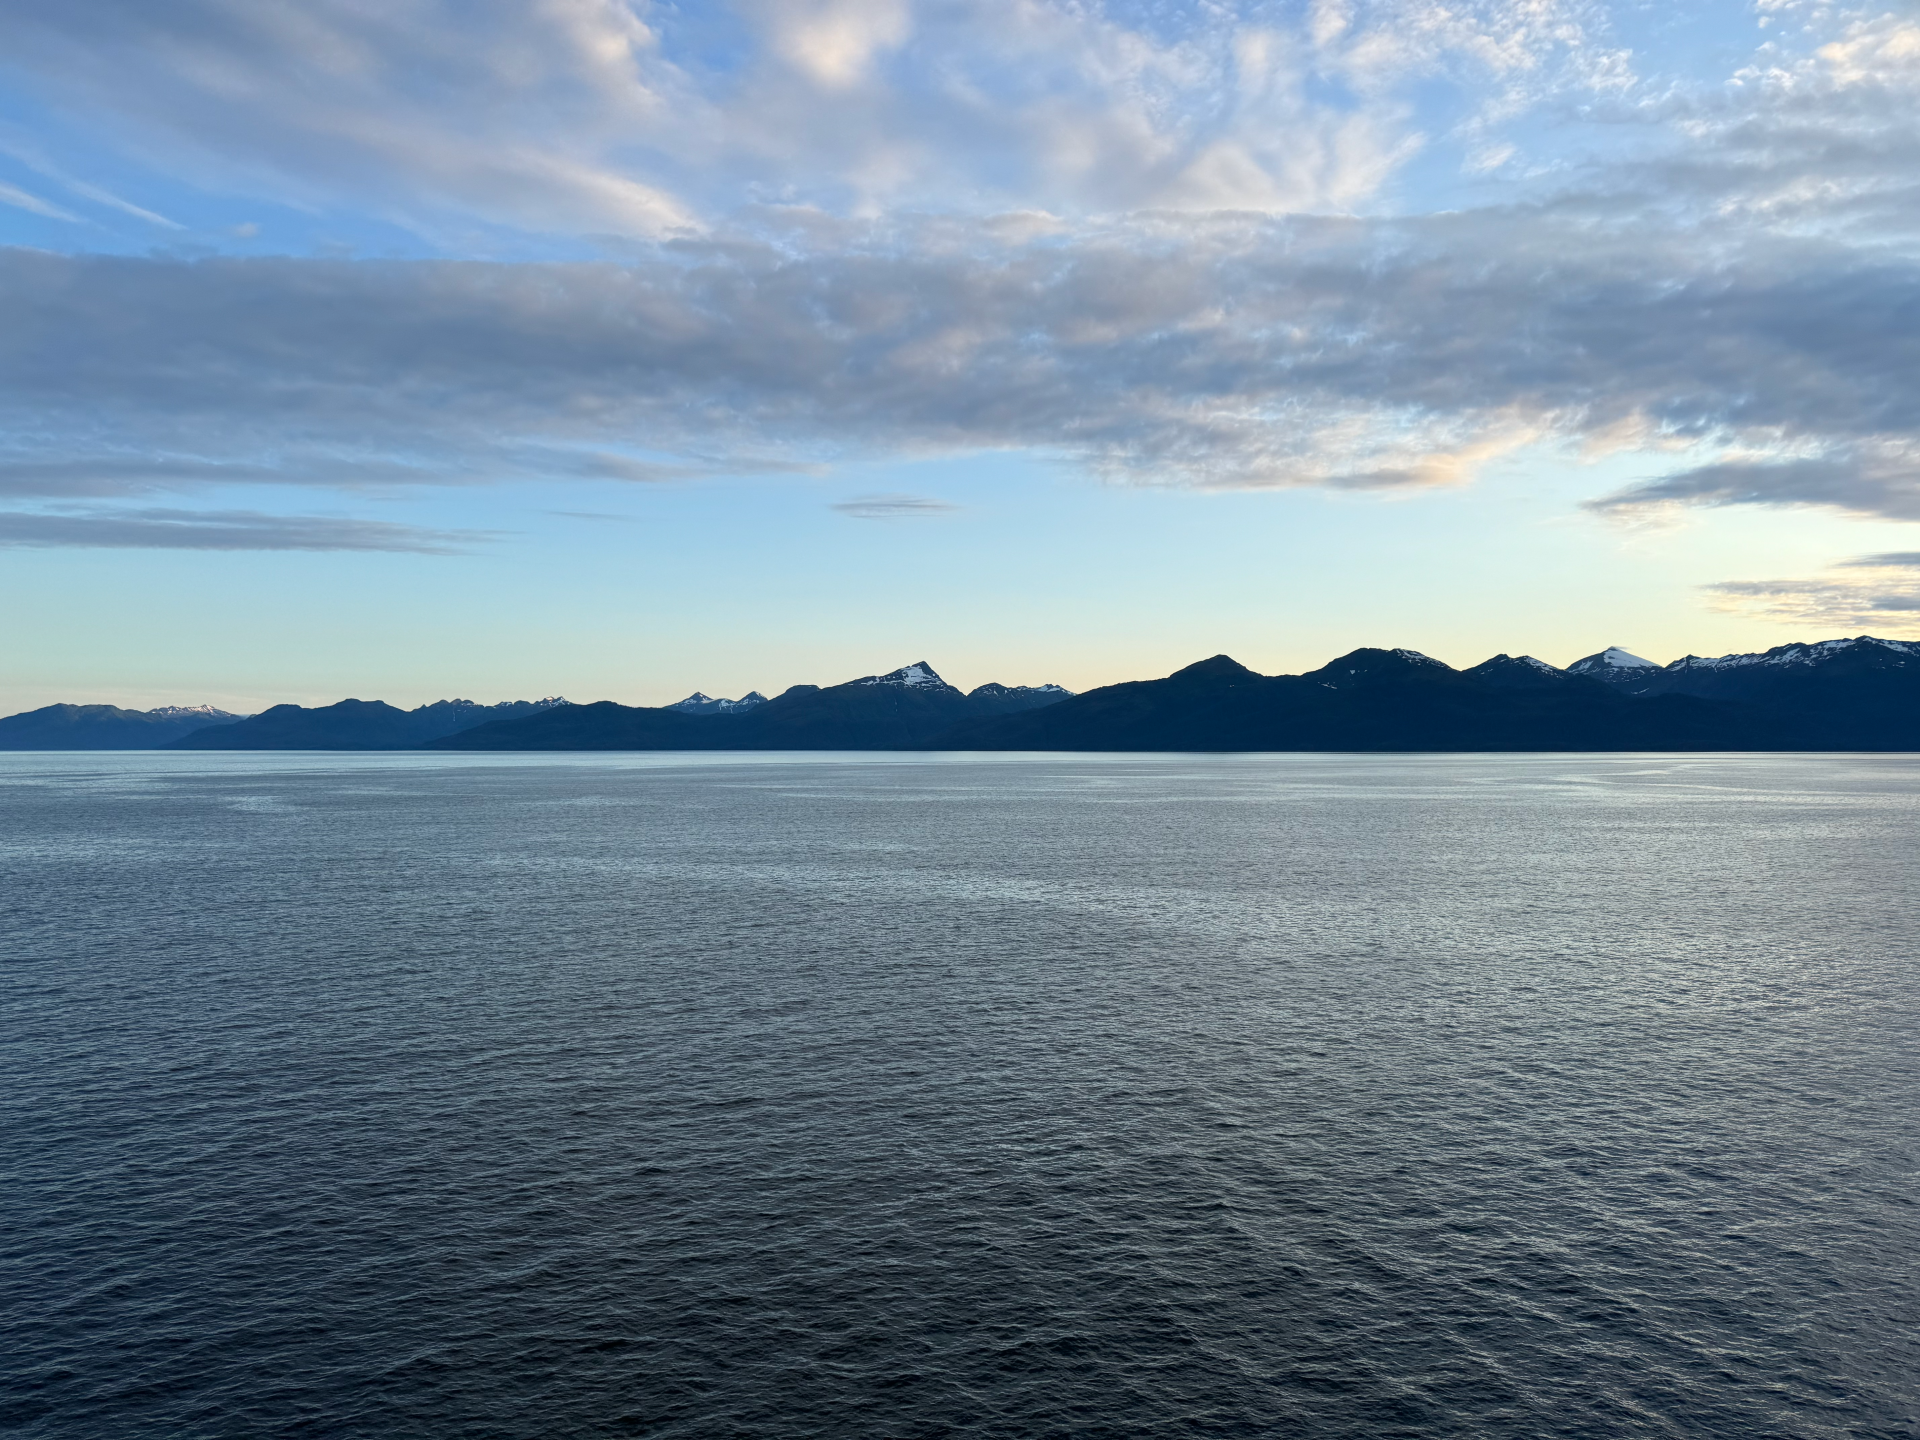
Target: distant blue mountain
[(357, 725), (905, 709), (1858, 694), (698, 704), (106, 727), (1861, 693), (1367, 700)]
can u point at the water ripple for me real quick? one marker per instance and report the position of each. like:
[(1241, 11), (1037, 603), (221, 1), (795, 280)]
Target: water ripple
[(1029, 1096)]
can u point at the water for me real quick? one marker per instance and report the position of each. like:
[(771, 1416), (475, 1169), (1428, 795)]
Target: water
[(1018, 1096)]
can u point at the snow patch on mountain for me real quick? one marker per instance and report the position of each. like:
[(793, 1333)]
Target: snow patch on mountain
[(1799, 653), (699, 703), (505, 706), (1613, 658), (916, 676), (185, 712), (995, 688)]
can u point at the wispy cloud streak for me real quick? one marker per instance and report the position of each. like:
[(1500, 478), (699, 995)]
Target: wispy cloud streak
[(168, 529), (893, 507)]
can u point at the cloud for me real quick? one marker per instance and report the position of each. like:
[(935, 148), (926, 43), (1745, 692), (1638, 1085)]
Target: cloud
[(418, 108), (1070, 228), (633, 119), (163, 529), (1821, 142), (892, 507), (29, 154), (23, 200), (834, 41), (1878, 591), (1222, 351), (1886, 484)]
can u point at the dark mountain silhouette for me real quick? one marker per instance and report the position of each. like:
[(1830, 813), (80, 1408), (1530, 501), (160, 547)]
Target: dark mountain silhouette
[(897, 711), (356, 725), (1367, 700), (1523, 672), (903, 710), (994, 699), (699, 703), (1849, 694), (106, 727), (1861, 693)]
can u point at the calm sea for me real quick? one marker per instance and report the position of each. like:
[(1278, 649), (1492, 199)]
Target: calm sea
[(785, 1096)]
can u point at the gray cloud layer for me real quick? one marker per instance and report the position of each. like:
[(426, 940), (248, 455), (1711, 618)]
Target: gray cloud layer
[(1227, 351)]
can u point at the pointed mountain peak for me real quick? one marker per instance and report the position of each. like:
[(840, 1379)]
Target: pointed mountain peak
[(1611, 661), (700, 703), (917, 676)]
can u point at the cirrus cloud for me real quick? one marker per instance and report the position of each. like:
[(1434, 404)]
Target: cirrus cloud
[(119, 528)]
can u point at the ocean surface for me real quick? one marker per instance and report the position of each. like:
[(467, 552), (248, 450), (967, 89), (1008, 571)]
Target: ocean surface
[(893, 1096)]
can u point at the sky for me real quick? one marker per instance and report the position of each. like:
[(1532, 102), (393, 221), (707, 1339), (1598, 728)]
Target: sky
[(409, 349)]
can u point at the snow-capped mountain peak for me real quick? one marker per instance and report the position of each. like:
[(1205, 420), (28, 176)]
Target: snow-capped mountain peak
[(1802, 653), (700, 703), (1611, 663), (916, 676), (182, 712)]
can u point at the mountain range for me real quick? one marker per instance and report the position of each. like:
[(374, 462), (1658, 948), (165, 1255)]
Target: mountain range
[(106, 727), (905, 709), (357, 725), (1847, 694)]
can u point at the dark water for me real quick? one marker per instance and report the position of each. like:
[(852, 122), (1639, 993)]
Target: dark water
[(1297, 1096)]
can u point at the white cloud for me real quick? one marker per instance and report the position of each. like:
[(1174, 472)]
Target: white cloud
[(501, 109), (835, 41), (576, 116), (23, 200)]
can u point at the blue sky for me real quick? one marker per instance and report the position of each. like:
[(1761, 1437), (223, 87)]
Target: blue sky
[(617, 350)]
